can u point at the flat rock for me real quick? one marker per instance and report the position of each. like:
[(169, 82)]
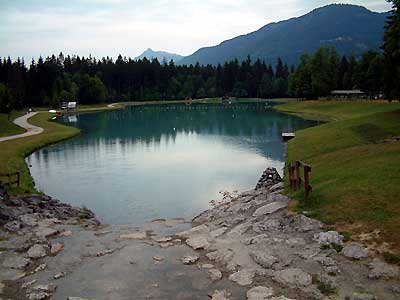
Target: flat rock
[(329, 237), (66, 233), (201, 229), (380, 269), (207, 266), (218, 232), (134, 236), (220, 295), (276, 187), (269, 209), (355, 251), (164, 239), (48, 288), (39, 296), (198, 242), (243, 277), (263, 258), (158, 258), (56, 248), (37, 251), (16, 262), (188, 260), (259, 293), (46, 232), (222, 256), (214, 274), (363, 296), (293, 277)]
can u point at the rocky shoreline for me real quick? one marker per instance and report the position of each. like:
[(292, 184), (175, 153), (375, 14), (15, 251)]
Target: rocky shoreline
[(251, 248)]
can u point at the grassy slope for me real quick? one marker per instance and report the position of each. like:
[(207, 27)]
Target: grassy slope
[(8, 127), (356, 173), (12, 153)]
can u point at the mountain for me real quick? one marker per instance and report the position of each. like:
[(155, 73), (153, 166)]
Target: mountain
[(160, 55), (352, 29)]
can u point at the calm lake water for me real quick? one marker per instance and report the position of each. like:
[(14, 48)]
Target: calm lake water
[(142, 163)]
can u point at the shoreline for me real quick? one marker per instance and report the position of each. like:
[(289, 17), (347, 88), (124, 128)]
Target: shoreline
[(251, 245)]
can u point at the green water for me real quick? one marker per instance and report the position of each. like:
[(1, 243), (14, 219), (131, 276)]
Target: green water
[(142, 163)]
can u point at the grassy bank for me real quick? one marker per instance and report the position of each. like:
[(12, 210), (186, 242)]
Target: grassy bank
[(355, 159), (13, 152), (7, 127)]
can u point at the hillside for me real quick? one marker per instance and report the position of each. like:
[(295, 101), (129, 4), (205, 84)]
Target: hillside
[(160, 55), (351, 29)]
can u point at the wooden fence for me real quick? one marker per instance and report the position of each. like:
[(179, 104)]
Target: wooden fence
[(13, 178), (295, 177)]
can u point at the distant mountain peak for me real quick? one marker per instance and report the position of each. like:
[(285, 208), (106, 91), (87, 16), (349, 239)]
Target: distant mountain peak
[(160, 55), (352, 29)]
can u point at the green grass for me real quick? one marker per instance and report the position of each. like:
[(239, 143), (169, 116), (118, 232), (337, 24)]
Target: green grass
[(355, 163), (7, 127), (13, 152)]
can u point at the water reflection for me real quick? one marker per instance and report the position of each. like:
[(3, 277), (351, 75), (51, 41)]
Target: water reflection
[(137, 163)]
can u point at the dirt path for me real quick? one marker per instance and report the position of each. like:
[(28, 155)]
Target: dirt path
[(23, 122)]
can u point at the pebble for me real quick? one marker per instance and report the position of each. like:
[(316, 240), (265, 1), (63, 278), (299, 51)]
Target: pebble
[(56, 248), (220, 295), (188, 260), (243, 277), (60, 275), (214, 274), (158, 258)]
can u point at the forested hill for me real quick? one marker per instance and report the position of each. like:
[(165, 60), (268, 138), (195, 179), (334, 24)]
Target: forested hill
[(351, 29), (160, 55)]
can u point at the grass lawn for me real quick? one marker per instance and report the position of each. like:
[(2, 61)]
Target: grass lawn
[(7, 127), (13, 152), (355, 161)]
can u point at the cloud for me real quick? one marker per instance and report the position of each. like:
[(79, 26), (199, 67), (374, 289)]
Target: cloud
[(101, 27)]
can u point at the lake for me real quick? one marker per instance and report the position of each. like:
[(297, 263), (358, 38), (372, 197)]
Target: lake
[(146, 162)]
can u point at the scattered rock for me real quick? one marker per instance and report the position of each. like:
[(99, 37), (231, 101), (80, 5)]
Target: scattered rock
[(218, 232), (259, 293), (201, 229), (355, 251), (220, 295), (362, 296), (269, 209), (158, 258), (263, 259), (37, 251), (49, 288), (207, 266), (28, 284), (293, 277), (39, 296), (105, 252), (78, 298), (329, 237), (214, 274), (104, 232), (47, 232), (40, 268), (243, 277), (166, 245), (56, 248), (164, 239), (188, 260), (197, 242), (380, 269), (60, 275), (222, 256), (16, 262), (281, 298), (13, 226), (66, 233), (134, 236)]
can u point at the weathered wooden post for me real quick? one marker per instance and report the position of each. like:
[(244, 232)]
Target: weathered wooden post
[(290, 175), (298, 177), (307, 187)]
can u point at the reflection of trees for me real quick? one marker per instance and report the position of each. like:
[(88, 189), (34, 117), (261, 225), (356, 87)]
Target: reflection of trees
[(242, 124)]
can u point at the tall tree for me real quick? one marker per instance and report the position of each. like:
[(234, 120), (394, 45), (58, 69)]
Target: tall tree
[(391, 49)]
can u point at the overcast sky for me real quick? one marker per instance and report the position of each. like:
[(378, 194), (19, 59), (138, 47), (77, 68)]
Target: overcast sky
[(29, 28)]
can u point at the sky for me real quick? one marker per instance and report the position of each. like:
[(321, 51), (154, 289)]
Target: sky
[(30, 28)]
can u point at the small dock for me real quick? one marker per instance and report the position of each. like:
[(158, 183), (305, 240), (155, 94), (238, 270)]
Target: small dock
[(287, 136)]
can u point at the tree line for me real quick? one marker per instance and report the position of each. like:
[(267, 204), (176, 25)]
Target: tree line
[(89, 80)]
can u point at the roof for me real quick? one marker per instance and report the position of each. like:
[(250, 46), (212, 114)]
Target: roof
[(347, 92)]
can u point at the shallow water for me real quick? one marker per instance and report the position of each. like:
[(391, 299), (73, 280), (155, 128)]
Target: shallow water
[(143, 163)]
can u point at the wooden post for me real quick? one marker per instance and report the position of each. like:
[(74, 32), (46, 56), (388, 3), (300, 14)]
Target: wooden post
[(298, 177), (290, 175), (307, 187)]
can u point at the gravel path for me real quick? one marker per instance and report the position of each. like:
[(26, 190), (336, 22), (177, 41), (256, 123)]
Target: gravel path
[(23, 122)]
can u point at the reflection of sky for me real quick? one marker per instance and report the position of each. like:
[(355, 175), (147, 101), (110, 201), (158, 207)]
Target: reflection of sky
[(128, 169)]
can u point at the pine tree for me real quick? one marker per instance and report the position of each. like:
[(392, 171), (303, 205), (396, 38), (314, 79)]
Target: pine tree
[(391, 49)]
